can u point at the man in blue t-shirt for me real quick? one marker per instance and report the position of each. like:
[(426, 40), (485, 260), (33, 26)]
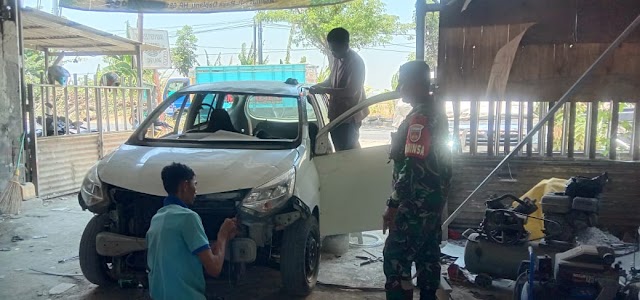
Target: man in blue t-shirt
[(177, 247)]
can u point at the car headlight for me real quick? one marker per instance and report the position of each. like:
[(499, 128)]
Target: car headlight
[(91, 189), (272, 194)]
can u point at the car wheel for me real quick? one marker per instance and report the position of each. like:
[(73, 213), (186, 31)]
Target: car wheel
[(300, 257), (94, 266)]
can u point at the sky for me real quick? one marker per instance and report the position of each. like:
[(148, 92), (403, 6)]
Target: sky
[(225, 32)]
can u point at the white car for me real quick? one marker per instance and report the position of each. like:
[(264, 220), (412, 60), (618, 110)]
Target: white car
[(262, 153)]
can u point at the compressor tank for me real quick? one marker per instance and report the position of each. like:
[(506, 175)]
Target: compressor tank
[(503, 261)]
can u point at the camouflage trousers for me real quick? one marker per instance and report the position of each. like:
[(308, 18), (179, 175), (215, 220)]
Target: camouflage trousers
[(416, 239)]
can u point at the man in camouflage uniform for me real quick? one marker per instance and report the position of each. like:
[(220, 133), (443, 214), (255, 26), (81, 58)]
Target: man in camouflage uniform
[(422, 171)]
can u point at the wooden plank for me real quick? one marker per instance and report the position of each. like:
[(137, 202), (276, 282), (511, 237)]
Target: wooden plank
[(456, 122), (613, 133), (565, 129), (529, 127), (541, 134), (572, 130), (496, 139), (473, 128), (507, 127), (520, 123), (593, 130), (636, 132), (550, 125), (490, 127), (593, 21)]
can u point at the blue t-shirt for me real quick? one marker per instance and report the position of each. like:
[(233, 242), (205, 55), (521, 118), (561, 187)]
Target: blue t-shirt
[(174, 239)]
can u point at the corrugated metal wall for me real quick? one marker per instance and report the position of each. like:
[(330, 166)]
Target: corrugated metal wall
[(620, 199), (111, 141), (63, 161)]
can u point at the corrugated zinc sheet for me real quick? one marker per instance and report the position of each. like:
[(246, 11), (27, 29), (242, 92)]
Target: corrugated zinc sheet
[(63, 162), (619, 204), (111, 141)]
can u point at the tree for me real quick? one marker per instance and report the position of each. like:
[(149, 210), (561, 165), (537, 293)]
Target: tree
[(218, 60), (247, 57), (432, 22), (122, 65), (33, 65), (287, 59), (365, 19), (207, 56), (303, 60), (184, 53)]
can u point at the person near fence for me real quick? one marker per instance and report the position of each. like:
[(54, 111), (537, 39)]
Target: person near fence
[(421, 176)]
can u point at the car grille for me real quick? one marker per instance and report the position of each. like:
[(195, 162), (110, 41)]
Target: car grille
[(135, 209)]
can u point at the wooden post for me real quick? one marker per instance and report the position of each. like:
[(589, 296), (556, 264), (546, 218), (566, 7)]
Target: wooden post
[(507, 127), (456, 122), (572, 130), (593, 129), (613, 132), (636, 132), (530, 127), (550, 125), (473, 128), (490, 126)]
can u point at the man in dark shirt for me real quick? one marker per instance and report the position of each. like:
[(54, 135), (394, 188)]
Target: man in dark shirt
[(345, 87)]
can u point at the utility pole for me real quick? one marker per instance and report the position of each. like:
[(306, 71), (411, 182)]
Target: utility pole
[(260, 58), (141, 40), (255, 39), (55, 9)]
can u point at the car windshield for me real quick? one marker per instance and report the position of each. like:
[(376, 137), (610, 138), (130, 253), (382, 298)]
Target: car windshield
[(218, 118)]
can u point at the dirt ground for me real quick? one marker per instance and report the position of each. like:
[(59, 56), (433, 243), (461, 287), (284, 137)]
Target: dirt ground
[(46, 235)]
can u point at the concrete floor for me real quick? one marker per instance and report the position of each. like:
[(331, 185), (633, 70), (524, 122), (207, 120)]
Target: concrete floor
[(51, 232)]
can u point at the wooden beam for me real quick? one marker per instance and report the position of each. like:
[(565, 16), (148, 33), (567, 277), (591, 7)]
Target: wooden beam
[(636, 132), (490, 126), (95, 53), (572, 130), (550, 126), (473, 128), (456, 122), (529, 127), (507, 127), (613, 132)]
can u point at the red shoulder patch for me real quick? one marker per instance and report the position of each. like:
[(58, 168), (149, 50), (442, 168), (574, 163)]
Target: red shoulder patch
[(418, 138)]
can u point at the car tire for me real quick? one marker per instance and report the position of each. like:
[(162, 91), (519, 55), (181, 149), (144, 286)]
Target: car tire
[(300, 257), (94, 266)]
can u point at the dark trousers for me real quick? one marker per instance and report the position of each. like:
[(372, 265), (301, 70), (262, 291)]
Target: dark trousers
[(345, 136)]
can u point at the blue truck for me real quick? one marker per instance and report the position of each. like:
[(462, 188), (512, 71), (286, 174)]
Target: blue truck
[(304, 73)]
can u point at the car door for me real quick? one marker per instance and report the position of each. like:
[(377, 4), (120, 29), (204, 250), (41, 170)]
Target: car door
[(354, 184)]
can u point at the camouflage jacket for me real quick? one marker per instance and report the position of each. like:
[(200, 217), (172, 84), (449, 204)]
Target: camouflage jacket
[(422, 160)]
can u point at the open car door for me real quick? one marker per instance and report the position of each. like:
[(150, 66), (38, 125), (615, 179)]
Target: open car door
[(354, 184)]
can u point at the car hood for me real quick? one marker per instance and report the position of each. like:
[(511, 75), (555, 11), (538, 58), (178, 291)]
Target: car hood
[(138, 168)]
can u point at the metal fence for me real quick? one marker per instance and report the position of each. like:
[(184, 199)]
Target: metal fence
[(72, 127)]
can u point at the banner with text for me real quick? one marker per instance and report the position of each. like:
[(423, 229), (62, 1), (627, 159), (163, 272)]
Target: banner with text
[(154, 59), (190, 6)]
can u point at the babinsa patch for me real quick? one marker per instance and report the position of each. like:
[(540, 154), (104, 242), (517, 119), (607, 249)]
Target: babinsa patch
[(418, 138)]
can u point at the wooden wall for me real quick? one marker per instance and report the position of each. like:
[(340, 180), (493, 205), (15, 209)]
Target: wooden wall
[(620, 203), (568, 37)]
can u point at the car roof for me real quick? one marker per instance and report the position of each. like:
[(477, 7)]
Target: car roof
[(247, 87)]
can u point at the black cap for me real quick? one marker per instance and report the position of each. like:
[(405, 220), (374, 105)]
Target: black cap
[(414, 71)]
